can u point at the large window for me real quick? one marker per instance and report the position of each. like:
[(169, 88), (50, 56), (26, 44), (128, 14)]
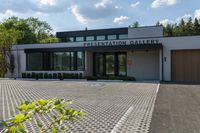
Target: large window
[(90, 38), (34, 61), (100, 38), (112, 37), (80, 60), (123, 36), (58, 61), (79, 39)]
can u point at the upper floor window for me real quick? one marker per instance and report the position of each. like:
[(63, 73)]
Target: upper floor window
[(71, 39), (90, 38), (112, 37), (123, 36), (79, 39), (99, 38)]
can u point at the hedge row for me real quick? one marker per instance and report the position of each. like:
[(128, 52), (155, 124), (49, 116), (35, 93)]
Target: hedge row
[(60, 76), (111, 78)]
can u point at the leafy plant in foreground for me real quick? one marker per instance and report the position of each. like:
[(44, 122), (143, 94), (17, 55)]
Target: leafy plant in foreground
[(59, 109)]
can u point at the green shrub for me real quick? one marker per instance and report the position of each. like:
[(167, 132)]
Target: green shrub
[(28, 75), (60, 76), (36, 76), (91, 78), (59, 122), (24, 75), (50, 76), (55, 76), (130, 79), (33, 75), (46, 75), (71, 75), (40, 76), (80, 75)]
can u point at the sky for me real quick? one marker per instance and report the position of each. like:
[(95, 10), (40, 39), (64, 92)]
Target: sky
[(68, 15)]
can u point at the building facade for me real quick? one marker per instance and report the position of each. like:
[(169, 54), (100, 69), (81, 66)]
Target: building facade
[(141, 52)]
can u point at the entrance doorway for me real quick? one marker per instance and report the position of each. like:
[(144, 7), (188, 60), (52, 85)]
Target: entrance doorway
[(110, 64)]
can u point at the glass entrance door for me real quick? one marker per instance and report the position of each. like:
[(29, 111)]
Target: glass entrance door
[(110, 64), (99, 65)]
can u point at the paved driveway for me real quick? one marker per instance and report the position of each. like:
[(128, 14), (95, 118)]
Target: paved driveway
[(177, 109), (111, 107)]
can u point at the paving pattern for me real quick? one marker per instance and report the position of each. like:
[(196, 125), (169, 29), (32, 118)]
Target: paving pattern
[(111, 107)]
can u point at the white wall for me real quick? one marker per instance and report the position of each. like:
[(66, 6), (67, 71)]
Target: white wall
[(145, 32), (145, 64)]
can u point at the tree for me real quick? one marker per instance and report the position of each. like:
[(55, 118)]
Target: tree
[(21, 31), (33, 30), (196, 26), (135, 25), (59, 110), (7, 38)]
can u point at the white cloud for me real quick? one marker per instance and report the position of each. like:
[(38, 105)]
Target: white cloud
[(197, 13), (79, 17), (9, 13), (121, 19), (47, 2), (161, 3), (165, 22), (102, 3), (184, 17), (135, 4)]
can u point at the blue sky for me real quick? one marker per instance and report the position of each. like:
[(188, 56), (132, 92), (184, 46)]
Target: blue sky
[(66, 15)]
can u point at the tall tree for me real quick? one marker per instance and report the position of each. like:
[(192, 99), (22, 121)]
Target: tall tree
[(196, 26), (135, 25), (7, 38)]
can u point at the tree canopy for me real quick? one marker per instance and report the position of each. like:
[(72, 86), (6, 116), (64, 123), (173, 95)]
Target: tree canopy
[(183, 28), (21, 31)]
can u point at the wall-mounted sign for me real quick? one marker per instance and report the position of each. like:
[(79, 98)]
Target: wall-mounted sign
[(130, 62), (121, 42)]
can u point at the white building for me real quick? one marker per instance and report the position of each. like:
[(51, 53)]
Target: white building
[(142, 53)]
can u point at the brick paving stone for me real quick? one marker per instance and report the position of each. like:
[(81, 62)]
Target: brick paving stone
[(111, 107)]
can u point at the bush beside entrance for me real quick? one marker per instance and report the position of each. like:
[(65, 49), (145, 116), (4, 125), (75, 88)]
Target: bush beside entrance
[(60, 76)]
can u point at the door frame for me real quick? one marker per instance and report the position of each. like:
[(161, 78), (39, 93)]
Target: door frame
[(116, 62)]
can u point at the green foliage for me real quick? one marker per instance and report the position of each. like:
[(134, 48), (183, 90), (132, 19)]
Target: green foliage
[(55, 76), (24, 75), (50, 76), (60, 76), (135, 25), (28, 75), (46, 75), (59, 120), (21, 31), (184, 28), (40, 76), (33, 75), (124, 78)]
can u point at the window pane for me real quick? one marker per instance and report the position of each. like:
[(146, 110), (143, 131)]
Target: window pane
[(99, 38), (79, 39), (72, 60), (58, 61), (90, 38), (112, 37), (66, 61), (71, 39), (80, 61), (34, 61), (122, 64), (123, 36)]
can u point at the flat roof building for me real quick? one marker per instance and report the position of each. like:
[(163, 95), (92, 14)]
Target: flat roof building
[(141, 52)]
